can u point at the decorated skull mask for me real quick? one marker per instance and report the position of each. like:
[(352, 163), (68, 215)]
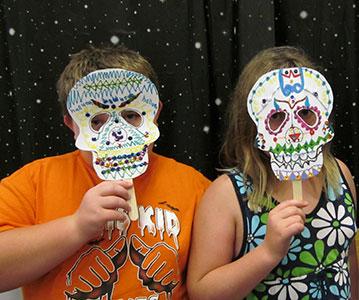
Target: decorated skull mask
[(115, 111), (291, 108)]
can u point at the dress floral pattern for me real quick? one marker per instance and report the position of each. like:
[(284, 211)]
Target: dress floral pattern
[(316, 265)]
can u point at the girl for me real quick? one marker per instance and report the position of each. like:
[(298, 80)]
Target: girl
[(251, 239)]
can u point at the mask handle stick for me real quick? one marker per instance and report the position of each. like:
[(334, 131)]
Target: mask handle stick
[(297, 189), (133, 214)]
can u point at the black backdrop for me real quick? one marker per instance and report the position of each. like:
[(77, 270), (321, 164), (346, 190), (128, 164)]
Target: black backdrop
[(197, 47)]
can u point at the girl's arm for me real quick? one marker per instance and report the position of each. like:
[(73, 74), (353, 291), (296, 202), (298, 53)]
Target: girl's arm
[(353, 260), (353, 267), (217, 238)]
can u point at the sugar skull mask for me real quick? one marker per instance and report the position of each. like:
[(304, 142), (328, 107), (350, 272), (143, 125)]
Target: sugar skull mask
[(291, 108), (115, 111)]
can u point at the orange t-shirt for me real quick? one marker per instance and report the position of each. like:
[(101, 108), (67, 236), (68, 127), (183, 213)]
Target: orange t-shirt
[(144, 259)]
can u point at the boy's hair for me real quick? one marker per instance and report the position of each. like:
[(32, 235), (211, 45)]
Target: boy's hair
[(96, 58), (239, 150)]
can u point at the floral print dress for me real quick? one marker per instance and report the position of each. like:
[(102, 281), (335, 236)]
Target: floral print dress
[(316, 265)]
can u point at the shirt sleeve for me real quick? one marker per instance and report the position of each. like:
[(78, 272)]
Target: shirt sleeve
[(202, 183), (18, 199)]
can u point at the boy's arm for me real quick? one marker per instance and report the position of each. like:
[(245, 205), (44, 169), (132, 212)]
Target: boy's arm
[(28, 253), (218, 227)]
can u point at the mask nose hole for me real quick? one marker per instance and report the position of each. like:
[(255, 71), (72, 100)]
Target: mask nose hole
[(117, 135), (294, 134)]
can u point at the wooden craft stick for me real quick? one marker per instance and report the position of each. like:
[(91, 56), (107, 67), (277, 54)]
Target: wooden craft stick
[(133, 214), (297, 189)]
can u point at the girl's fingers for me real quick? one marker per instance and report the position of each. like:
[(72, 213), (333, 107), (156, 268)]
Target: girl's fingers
[(291, 220), (291, 211), (294, 229), (291, 202)]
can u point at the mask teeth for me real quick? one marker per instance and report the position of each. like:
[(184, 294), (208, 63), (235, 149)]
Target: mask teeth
[(123, 173), (301, 160), (298, 175), (125, 170), (122, 166)]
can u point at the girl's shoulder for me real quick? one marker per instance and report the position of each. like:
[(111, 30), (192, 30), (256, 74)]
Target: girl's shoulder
[(347, 176), (220, 186), (220, 194)]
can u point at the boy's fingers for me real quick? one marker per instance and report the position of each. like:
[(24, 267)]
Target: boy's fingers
[(125, 183), (113, 188), (114, 215), (113, 202)]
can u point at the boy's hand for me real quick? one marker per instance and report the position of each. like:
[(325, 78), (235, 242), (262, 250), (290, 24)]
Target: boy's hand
[(100, 205), (284, 221)]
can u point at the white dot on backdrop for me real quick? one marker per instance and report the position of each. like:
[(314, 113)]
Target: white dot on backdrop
[(198, 45), (114, 39), (206, 129), (12, 31), (218, 101), (38, 101), (354, 104), (269, 28), (303, 14)]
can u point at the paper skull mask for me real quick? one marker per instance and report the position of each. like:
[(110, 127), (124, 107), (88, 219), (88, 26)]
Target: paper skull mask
[(291, 108), (115, 111)]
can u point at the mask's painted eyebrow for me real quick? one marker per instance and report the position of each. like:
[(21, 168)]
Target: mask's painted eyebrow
[(291, 105), (127, 102)]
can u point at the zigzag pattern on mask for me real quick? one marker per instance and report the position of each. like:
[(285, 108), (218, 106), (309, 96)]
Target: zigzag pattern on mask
[(291, 149)]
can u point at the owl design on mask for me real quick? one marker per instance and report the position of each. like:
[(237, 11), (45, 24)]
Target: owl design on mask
[(115, 111), (290, 108)]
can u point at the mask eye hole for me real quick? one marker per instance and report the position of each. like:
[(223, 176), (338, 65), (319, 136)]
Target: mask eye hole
[(97, 121), (132, 117), (308, 116), (276, 120)]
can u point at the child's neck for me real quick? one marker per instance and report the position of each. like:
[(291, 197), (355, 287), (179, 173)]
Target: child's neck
[(311, 191)]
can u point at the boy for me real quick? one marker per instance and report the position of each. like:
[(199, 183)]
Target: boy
[(54, 212)]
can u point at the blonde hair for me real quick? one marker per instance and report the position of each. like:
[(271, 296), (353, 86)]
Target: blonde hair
[(239, 151), (96, 58)]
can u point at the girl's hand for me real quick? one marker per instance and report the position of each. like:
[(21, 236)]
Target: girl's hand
[(284, 221)]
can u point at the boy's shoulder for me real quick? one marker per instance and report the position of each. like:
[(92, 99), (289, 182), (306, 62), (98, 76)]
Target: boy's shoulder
[(54, 160), (54, 167), (58, 161)]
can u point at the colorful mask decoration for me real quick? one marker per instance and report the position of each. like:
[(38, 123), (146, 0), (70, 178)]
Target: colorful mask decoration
[(291, 108), (115, 111)]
